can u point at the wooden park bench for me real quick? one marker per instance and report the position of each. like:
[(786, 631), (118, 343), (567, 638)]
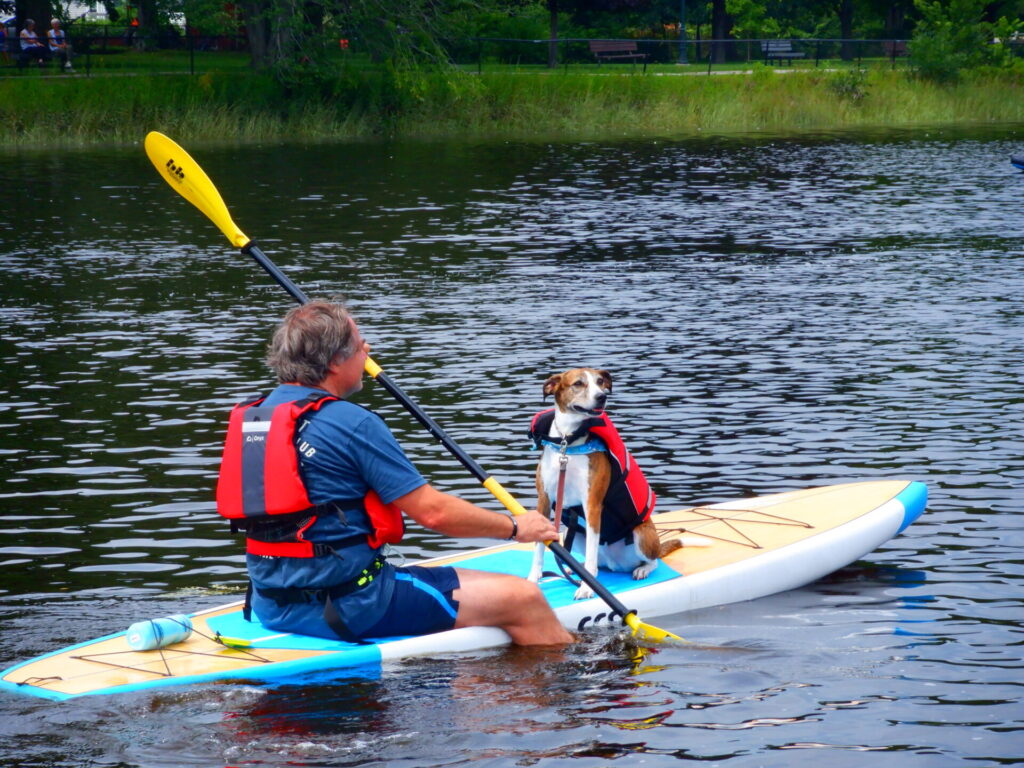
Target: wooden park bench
[(607, 50), (780, 50), (21, 59), (12, 54)]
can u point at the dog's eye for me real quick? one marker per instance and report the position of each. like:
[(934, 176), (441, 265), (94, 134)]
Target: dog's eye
[(579, 383)]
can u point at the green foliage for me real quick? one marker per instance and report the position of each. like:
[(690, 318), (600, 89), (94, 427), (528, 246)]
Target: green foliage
[(947, 39), (751, 20), (782, 19), (528, 20), (210, 17), (952, 37), (505, 21), (849, 85), (1007, 49), (761, 74)]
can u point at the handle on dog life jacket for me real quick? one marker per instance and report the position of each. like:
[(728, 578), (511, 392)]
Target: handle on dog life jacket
[(186, 177)]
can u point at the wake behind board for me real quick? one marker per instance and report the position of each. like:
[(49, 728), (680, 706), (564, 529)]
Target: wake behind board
[(750, 548)]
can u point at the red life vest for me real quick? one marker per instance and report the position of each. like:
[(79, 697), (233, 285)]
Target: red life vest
[(629, 500), (260, 478)]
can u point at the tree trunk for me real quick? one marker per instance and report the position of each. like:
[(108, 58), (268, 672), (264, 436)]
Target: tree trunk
[(257, 30), (145, 33), (278, 31), (40, 11), (553, 40), (721, 29), (895, 19), (313, 13), (847, 51)]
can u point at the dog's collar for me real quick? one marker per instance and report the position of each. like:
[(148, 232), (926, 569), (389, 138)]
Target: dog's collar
[(593, 445)]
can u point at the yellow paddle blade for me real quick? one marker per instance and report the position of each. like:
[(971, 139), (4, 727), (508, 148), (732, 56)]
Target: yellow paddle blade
[(648, 632), (190, 181)]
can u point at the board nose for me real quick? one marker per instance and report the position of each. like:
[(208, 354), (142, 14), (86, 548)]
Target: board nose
[(914, 499)]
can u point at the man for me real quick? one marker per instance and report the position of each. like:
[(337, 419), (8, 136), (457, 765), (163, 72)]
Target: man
[(31, 48), (319, 571), (58, 43)]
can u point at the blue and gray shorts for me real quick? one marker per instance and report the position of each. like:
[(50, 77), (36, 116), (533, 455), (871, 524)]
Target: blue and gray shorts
[(422, 603)]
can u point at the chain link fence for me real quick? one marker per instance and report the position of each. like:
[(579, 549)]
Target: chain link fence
[(111, 49)]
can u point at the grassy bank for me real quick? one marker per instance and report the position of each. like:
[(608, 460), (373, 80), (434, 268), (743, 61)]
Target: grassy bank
[(248, 107)]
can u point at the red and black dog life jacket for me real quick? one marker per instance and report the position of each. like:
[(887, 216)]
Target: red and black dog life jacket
[(260, 479), (629, 500)]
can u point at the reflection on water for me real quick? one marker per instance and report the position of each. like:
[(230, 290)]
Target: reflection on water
[(777, 314)]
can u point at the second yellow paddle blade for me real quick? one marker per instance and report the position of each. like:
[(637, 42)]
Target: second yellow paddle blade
[(191, 182), (654, 634)]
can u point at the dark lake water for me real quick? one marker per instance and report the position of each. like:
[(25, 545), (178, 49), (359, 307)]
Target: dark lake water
[(778, 313)]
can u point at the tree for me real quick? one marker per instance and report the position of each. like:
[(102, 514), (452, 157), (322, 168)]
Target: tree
[(896, 12), (553, 37), (845, 13), (721, 29), (291, 37), (257, 31), (40, 11), (952, 36), (583, 8)]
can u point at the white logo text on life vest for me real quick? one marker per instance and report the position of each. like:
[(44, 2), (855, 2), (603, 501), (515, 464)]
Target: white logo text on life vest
[(255, 431)]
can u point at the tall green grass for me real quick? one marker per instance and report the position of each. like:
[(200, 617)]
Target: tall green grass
[(120, 110), (219, 106), (581, 105)]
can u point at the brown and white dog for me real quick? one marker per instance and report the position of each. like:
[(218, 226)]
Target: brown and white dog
[(579, 394)]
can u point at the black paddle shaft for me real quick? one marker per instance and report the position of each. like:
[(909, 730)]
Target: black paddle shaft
[(587, 577), (280, 277)]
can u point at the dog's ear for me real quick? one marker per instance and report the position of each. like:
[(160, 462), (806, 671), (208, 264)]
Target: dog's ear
[(607, 378), (552, 384)]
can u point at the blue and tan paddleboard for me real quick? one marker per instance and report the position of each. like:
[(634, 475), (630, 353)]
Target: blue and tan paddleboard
[(734, 551)]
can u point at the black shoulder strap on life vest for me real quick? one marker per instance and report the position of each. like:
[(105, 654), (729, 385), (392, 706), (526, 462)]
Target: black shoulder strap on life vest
[(540, 427)]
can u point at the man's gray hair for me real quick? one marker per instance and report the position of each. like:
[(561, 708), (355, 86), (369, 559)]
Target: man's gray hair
[(310, 338)]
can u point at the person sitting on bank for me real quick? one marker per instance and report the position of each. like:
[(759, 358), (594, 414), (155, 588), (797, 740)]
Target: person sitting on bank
[(319, 484), (31, 48), (59, 44)]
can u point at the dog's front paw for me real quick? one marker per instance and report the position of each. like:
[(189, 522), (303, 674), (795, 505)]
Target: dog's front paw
[(534, 575), (645, 570), (584, 593)]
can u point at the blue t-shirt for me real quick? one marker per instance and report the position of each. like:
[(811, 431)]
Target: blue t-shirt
[(348, 451)]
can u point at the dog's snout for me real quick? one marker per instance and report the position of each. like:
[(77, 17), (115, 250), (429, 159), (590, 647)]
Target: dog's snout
[(601, 399)]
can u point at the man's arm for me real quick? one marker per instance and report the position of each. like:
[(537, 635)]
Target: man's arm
[(452, 516)]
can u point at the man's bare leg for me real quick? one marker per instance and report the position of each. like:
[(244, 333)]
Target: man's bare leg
[(511, 603)]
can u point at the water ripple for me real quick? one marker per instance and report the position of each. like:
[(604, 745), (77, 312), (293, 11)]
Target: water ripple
[(777, 313)]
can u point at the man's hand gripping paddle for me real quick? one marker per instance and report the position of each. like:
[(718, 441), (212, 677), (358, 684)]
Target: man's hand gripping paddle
[(190, 181)]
